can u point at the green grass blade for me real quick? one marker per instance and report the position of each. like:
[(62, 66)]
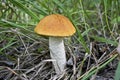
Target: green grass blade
[(108, 41), (59, 4), (100, 67), (40, 8), (117, 73), (8, 23), (25, 9), (87, 31), (10, 43), (116, 20), (82, 41)]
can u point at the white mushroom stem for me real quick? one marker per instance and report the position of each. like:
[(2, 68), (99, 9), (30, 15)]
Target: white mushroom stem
[(57, 52), (118, 48)]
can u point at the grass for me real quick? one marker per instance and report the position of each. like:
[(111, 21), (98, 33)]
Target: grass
[(97, 25)]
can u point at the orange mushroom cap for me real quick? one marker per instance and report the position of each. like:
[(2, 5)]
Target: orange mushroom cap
[(55, 25)]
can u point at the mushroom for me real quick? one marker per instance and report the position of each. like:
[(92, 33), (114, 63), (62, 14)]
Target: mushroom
[(56, 27)]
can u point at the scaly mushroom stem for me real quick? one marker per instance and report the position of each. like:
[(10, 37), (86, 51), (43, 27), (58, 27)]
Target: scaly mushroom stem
[(57, 52), (118, 48)]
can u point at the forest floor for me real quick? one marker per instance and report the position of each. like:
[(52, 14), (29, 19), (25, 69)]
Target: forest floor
[(28, 58)]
